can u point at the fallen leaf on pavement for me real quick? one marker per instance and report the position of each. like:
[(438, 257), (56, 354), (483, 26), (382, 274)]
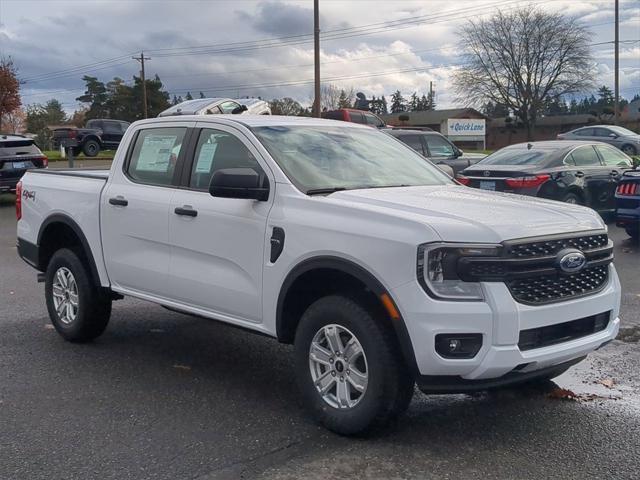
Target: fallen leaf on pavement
[(607, 382), (182, 367), (561, 394)]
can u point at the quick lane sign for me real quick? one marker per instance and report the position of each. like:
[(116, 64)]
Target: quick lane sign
[(466, 127)]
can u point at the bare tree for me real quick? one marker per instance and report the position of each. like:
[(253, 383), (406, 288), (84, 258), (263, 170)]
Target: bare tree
[(522, 59), (332, 97), (14, 122), (285, 106)]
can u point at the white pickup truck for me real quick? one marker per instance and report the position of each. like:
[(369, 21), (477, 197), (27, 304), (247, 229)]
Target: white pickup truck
[(380, 269)]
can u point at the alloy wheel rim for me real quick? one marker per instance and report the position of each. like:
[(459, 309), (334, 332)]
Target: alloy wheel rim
[(338, 365), (65, 295)]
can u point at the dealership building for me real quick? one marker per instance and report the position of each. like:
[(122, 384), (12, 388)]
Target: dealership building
[(466, 127)]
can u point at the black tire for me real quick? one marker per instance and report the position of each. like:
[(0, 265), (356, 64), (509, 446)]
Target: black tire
[(93, 309), (390, 386), (573, 199), (91, 148), (629, 149)]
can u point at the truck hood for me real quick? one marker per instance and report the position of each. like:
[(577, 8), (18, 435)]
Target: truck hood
[(464, 214)]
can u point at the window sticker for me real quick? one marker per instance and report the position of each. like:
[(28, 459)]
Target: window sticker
[(205, 158), (155, 153)]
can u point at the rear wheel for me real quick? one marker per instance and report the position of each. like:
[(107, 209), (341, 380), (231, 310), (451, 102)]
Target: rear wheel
[(573, 199), (91, 148), (76, 308), (349, 368)]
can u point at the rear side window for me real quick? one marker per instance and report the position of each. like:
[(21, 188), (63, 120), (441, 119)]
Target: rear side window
[(613, 157), (357, 117), (333, 115), (584, 157), (217, 150), (412, 141), (155, 154), (584, 132), (112, 127), (228, 107), (373, 120)]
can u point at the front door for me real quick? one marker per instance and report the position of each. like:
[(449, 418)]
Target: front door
[(218, 244), (135, 211), (594, 177), (616, 163)]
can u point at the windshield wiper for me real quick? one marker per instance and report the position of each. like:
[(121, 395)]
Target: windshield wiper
[(322, 191)]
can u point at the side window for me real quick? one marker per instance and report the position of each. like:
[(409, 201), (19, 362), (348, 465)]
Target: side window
[(155, 154), (373, 120), (585, 156), (438, 146), (228, 107), (111, 127), (217, 150), (601, 132), (357, 117), (124, 126), (333, 115), (584, 132), (613, 157), (413, 141)]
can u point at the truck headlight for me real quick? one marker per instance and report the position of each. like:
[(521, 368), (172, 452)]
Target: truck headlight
[(438, 270)]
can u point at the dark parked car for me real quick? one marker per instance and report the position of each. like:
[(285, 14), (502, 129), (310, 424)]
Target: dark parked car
[(355, 116), (619, 137), (584, 173), (98, 134), (17, 154), (436, 147), (628, 203)]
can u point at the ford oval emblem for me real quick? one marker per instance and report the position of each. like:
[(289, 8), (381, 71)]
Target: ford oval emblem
[(571, 260), (487, 173)]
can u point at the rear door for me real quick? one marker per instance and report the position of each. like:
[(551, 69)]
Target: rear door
[(592, 176), (135, 209), (111, 133), (415, 142), (218, 244)]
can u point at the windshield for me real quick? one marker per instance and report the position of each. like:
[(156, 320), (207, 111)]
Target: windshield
[(335, 158), (515, 157), (621, 131)]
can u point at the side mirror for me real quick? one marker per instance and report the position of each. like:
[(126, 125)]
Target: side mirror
[(240, 109), (457, 152), (613, 135), (239, 183)]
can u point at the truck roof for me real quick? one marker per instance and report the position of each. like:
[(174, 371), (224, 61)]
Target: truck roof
[(253, 120)]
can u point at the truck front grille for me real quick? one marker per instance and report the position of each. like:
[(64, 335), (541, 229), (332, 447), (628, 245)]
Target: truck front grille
[(530, 268), (555, 287), (562, 332)]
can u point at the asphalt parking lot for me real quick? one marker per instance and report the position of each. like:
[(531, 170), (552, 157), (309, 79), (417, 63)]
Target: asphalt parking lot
[(166, 396)]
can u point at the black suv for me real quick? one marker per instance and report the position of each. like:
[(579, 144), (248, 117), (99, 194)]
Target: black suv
[(436, 147), (17, 154)]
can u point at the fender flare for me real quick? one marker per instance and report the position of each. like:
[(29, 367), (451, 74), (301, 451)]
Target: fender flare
[(358, 272), (71, 223)]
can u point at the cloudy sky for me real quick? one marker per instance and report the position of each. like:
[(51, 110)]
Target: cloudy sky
[(264, 47)]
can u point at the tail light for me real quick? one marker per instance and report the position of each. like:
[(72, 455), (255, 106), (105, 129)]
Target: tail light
[(530, 181), (19, 200), (45, 161), (628, 189), (463, 180)]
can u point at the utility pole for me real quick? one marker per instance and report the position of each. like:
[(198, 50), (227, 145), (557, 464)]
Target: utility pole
[(616, 105), (431, 95), (141, 59), (316, 57)]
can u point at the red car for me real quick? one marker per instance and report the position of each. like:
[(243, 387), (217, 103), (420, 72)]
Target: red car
[(355, 116)]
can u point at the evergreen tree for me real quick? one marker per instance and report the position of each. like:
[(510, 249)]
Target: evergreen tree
[(202, 95), (188, 96), (398, 102), (384, 110), (414, 103)]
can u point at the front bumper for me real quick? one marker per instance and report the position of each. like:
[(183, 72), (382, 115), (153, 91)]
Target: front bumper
[(500, 319)]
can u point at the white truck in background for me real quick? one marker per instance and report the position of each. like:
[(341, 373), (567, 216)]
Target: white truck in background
[(381, 270)]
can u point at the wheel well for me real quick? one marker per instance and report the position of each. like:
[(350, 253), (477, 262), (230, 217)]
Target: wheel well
[(57, 235), (312, 285), (578, 193)]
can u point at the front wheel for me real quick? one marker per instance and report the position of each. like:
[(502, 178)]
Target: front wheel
[(349, 368), (629, 150), (76, 308)]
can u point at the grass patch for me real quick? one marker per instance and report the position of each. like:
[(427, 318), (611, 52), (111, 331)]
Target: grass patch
[(54, 155)]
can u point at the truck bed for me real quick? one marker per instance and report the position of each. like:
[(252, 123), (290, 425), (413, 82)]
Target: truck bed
[(72, 194)]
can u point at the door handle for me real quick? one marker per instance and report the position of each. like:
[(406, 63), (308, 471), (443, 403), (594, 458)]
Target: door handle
[(579, 174), (186, 211), (119, 201)]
